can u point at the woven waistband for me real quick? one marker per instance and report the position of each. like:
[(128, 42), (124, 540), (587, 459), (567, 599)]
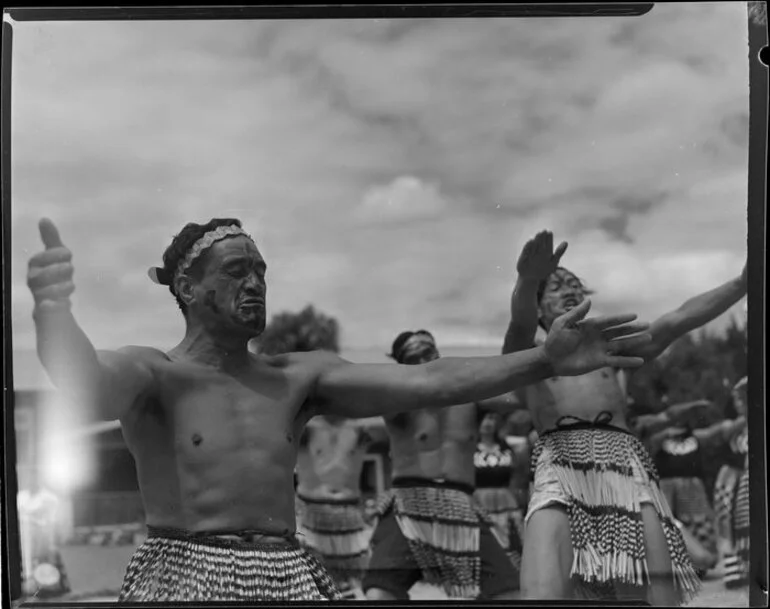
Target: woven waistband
[(407, 481), (354, 501), (245, 538), (601, 422)]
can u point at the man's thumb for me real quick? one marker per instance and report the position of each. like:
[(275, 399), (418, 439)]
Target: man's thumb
[(49, 234), (577, 314)]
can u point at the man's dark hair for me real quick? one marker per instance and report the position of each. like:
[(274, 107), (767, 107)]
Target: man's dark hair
[(398, 344), (182, 243)]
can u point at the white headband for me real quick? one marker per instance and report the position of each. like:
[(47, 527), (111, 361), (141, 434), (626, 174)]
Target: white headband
[(205, 242), (158, 275)]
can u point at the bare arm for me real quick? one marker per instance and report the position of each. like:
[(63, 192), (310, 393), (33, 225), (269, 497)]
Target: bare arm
[(521, 330), (649, 424), (719, 433), (694, 313), (366, 390), (107, 383), (503, 404), (574, 346), (536, 262)]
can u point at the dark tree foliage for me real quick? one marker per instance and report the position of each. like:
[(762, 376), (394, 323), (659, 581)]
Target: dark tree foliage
[(308, 330), (698, 366)]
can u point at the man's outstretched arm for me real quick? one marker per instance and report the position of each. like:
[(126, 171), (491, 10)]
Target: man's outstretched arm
[(107, 383), (574, 346), (693, 314), (535, 264)]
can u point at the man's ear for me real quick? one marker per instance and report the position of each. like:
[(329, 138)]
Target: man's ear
[(184, 289)]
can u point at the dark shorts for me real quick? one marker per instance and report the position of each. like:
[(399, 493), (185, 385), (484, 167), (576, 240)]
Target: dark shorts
[(392, 566)]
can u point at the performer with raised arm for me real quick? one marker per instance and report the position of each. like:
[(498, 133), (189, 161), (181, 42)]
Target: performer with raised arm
[(214, 429), (678, 452), (428, 526), (597, 523)]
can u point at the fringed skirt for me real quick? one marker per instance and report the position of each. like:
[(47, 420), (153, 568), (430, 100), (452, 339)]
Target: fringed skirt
[(741, 530), (602, 474), (506, 519), (337, 532), (690, 505), (177, 566), (442, 525)]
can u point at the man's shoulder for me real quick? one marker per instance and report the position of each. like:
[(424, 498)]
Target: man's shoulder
[(146, 354)]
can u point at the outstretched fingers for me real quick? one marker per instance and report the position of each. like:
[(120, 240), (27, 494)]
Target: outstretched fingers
[(629, 346), (604, 322), (621, 361), (625, 330)]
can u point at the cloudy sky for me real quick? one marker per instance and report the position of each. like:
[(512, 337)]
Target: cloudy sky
[(390, 170)]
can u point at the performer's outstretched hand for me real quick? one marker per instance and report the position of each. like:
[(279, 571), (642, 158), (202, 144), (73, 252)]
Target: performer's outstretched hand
[(50, 272), (538, 259), (576, 345)]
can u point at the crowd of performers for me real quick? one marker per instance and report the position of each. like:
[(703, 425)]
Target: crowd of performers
[(714, 526), (218, 433)]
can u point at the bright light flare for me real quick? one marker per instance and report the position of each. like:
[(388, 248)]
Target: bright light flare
[(67, 460)]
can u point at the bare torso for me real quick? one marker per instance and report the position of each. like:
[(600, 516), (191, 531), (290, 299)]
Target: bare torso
[(330, 459), (434, 443), (582, 396), (215, 450)]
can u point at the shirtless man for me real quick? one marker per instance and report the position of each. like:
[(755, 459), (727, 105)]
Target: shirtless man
[(330, 512), (428, 526), (597, 521), (214, 429)]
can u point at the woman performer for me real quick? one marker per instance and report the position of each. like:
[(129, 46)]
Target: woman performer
[(494, 462), (678, 455)]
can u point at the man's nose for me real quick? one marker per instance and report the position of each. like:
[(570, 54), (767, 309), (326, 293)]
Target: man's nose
[(254, 282)]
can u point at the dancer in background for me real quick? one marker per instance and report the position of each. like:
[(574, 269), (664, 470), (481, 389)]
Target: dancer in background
[(731, 493), (428, 526), (678, 454), (330, 510), (518, 433), (598, 524), (495, 463), (214, 428)]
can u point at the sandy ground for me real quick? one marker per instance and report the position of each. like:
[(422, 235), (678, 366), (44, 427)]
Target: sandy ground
[(96, 574)]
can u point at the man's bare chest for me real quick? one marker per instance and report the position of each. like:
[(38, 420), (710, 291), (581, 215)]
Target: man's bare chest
[(602, 385)]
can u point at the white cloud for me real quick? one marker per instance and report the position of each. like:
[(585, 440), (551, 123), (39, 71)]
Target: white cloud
[(320, 134), (405, 198)]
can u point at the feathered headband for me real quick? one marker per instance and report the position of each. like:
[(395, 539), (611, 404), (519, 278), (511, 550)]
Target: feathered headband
[(161, 276)]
